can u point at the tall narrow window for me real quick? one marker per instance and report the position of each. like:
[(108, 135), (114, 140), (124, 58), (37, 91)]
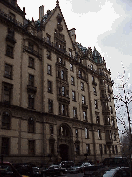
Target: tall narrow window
[(49, 86), (6, 120), (88, 149), (31, 101), (49, 69), (74, 112), (31, 80), (76, 133), (9, 51), (101, 149), (51, 129), (72, 80), (50, 106), (86, 133), (62, 74), (5, 146), (82, 86), (105, 149), (97, 119), (31, 62), (99, 134), (83, 99), (7, 93), (31, 125), (31, 147), (84, 115), (71, 67), (73, 96), (96, 104), (63, 91), (8, 71)]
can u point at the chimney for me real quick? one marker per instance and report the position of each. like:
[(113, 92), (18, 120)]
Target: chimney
[(73, 34), (41, 12)]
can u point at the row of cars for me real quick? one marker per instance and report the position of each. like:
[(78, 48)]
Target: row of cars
[(30, 170), (110, 167)]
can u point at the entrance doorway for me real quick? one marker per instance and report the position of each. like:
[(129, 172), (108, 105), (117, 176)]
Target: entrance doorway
[(64, 149)]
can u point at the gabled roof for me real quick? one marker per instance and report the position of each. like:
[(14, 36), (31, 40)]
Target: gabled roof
[(50, 13)]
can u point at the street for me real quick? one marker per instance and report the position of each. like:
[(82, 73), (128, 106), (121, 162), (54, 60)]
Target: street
[(73, 175)]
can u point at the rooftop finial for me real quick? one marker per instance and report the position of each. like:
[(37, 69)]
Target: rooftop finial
[(57, 3)]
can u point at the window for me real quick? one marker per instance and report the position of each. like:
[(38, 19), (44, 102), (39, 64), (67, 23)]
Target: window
[(116, 149), (31, 125), (74, 112), (105, 149), (77, 149), (50, 106), (7, 93), (76, 133), (31, 147), (31, 101), (31, 80), (88, 149), (82, 86), (99, 134), (11, 32), (63, 109), (5, 146), (79, 74), (63, 91), (96, 104), (9, 51), (70, 52), (91, 67), (48, 38), (51, 147), (71, 67), (110, 135), (73, 96), (49, 69), (114, 136), (97, 120), (49, 86), (31, 62), (83, 99), (101, 149), (62, 74), (84, 115), (48, 54), (6, 120), (111, 110), (51, 129), (8, 71), (86, 133), (72, 80), (113, 149), (30, 45), (112, 123), (94, 90), (60, 60)]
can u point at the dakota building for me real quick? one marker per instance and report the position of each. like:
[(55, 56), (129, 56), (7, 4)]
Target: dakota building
[(55, 95)]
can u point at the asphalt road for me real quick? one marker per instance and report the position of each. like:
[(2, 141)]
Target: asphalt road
[(73, 175)]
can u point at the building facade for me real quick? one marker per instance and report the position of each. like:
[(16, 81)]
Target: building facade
[(56, 95)]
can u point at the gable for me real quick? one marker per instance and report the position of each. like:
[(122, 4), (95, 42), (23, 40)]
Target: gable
[(57, 30)]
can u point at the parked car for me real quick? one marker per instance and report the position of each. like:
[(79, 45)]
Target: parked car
[(8, 170), (116, 162), (74, 169), (90, 170), (112, 172), (66, 164), (86, 164), (52, 170), (27, 169)]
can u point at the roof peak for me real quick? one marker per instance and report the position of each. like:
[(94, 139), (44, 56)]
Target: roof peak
[(57, 3)]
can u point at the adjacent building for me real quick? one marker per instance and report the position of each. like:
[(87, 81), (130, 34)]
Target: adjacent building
[(55, 95)]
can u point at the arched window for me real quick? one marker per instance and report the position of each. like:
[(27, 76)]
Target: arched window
[(6, 120), (31, 125)]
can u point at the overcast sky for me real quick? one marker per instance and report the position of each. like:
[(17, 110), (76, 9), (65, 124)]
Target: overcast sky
[(105, 24)]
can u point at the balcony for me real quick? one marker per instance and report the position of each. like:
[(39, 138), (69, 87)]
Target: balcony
[(31, 89), (64, 99), (105, 111), (31, 51), (84, 106), (109, 141)]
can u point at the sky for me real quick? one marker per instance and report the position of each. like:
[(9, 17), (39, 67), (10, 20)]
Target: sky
[(105, 24)]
